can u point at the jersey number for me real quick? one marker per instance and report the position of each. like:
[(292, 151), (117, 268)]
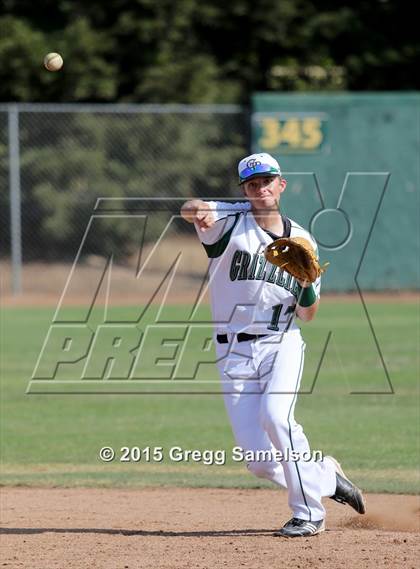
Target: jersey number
[(276, 316)]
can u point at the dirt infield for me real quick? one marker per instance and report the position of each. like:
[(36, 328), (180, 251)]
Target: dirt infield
[(168, 528)]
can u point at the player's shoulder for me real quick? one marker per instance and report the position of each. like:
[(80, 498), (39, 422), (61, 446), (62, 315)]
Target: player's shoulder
[(297, 230)]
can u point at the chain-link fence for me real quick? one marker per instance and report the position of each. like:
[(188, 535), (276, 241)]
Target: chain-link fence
[(56, 161)]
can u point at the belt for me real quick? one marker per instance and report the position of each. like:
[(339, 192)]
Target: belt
[(241, 337)]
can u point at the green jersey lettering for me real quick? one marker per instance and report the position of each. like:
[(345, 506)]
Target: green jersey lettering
[(235, 265), (246, 259)]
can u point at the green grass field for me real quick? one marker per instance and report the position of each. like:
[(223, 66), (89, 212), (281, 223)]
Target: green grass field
[(55, 439)]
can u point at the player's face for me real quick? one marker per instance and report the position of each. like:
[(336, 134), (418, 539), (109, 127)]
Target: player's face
[(264, 191)]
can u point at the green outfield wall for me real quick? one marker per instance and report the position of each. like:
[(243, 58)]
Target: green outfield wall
[(352, 162)]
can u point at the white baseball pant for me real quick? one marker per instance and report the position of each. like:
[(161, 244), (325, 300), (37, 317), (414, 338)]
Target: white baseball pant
[(260, 383)]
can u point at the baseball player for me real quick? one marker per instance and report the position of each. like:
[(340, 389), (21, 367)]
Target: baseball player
[(260, 350)]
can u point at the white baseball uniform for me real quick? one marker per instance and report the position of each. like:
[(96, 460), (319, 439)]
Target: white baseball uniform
[(261, 376)]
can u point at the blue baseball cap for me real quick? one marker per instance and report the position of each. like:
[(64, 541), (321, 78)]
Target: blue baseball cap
[(257, 165)]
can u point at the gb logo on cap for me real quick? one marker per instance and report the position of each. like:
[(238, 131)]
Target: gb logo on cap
[(253, 163)]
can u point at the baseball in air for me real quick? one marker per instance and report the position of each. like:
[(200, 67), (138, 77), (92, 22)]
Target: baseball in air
[(53, 61)]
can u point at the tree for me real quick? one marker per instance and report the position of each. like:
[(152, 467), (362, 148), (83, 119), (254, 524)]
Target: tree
[(194, 51)]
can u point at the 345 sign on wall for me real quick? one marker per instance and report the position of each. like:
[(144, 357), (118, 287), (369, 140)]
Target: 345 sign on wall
[(289, 133)]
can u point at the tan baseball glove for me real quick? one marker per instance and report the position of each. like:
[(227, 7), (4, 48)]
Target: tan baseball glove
[(296, 256)]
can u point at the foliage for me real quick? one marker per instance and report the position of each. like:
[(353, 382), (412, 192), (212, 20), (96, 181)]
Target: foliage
[(192, 51), (69, 160)]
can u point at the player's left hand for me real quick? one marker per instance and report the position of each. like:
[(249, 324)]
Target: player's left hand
[(304, 284), (297, 256)]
